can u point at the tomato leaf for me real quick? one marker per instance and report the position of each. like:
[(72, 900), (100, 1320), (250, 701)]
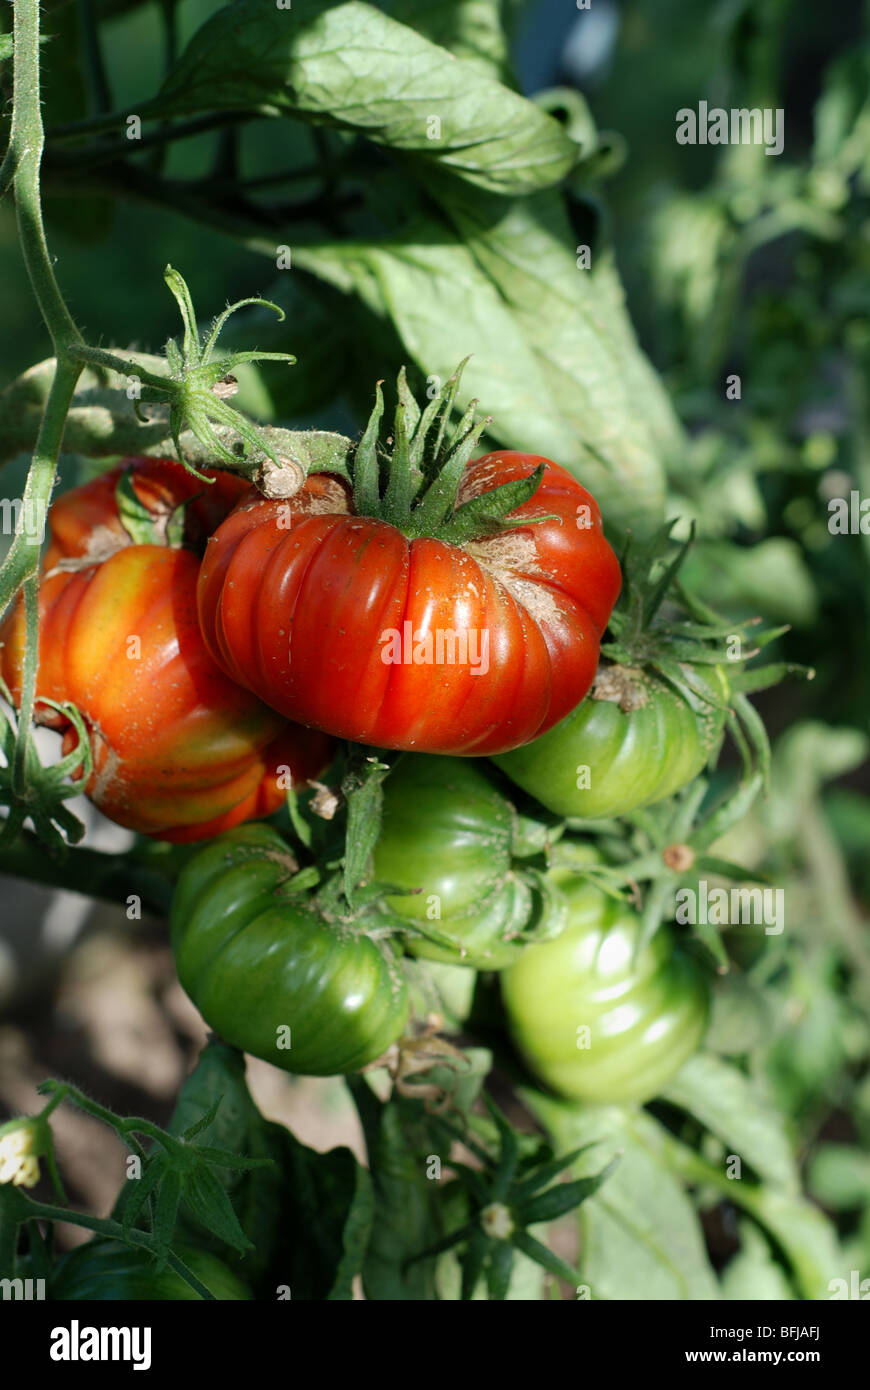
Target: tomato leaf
[(640, 1234), (212, 1209), (166, 1213), (754, 1272), (350, 66), (738, 1110), (307, 1215), (553, 356), (472, 29)]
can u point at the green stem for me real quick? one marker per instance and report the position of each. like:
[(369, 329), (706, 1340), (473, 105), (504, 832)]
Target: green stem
[(60, 1094), (28, 687), (112, 120), (98, 82), (102, 424), (8, 1242), (22, 561), (97, 357), (25, 153), (26, 142), (110, 877), (111, 150)]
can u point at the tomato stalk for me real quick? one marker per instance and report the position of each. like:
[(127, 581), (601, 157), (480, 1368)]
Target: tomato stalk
[(22, 163), (107, 427)]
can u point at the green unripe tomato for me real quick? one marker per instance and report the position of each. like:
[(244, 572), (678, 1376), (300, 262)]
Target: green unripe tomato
[(268, 967), (105, 1269), (448, 832), (593, 1024), (633, 741)]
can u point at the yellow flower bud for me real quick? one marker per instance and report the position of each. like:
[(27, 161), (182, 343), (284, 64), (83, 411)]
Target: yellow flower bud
[(19, 1163)]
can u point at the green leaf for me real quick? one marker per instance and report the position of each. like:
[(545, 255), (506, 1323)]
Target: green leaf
[(806, 1237), (307, 1214), (740, 1112), (212, 1209), (838, 109), (741, 1018), (641, 1238), (166, 1212), (350, 66), (553, 361), (771, 578), (140, 523), (839, 1176), (576, 323), (753, 1273), (471, 29), (542, 1255), (406, 1219)]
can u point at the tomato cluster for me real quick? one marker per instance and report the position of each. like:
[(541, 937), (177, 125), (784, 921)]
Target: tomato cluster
[(216, 643)]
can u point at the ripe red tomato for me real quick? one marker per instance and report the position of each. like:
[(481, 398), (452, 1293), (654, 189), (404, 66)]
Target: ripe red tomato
[(179, 751), (86, 520), (345, 623)]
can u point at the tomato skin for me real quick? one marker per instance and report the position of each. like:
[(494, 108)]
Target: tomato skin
[(449, 832), (257, 960), (104, 1270), (644, 1020), (179, 751), (635, 757), (531, 603)]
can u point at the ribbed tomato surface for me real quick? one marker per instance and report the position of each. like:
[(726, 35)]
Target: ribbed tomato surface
[(346, 624)]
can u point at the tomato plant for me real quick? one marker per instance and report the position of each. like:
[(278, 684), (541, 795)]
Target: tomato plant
[(597, 1015), (286, 976), (416, 626), (529, 839)]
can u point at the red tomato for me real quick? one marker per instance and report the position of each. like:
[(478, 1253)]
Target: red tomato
[(413, 643), (86, 518), (179, 751)]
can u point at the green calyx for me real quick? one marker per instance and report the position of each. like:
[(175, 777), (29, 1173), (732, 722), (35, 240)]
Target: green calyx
[(36, 793), (142, 525), (415, 486), (198, 385), (688, 634), (513, 1184)]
